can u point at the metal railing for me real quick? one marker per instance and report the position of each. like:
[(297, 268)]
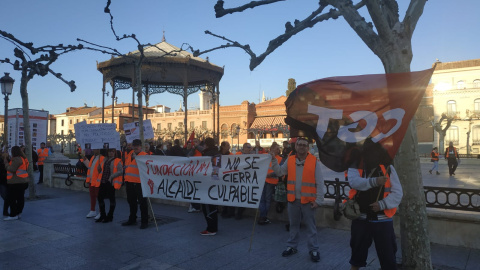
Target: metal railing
[(435, 197)]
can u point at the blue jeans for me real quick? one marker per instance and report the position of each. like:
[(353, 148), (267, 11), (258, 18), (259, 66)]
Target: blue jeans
[(266, 198), (435, 166)]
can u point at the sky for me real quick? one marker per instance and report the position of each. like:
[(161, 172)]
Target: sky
[(447, 31)]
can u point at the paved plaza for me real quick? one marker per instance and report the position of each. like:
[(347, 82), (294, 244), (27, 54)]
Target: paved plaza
[(53, 233)]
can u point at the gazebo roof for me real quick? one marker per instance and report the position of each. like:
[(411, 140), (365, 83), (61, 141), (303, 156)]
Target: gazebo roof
[(164, 65)]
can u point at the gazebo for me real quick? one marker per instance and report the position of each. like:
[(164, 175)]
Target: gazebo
[(163, 68)]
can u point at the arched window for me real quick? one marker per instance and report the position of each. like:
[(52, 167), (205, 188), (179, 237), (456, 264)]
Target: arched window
[(224, 131), (451, 108), (452, 135), (476, 135), (476, 83), (461, 85), (476, 106)]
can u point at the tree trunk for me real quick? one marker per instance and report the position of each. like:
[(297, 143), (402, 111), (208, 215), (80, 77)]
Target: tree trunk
[(413, 213), (28, 134), (441, 142)]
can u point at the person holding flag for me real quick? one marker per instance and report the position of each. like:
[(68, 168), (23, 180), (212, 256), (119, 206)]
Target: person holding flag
[(377, 189), (304, 195)]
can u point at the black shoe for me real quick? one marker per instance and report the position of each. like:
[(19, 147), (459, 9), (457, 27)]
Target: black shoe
[(289, 251), (453, 173), (438, 173), (129, 223), (315, 256), (102, 218), (107, 219), (144, 226), (430, 171)]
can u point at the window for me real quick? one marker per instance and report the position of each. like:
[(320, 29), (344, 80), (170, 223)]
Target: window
[(451, 108), (169, 126), (159, 127), (461, 85), (452, 135), (476, 83), (63, 122), (76, 121), (61, 132), (192, 124), (224, 131), (180, 124), (71, 121), (204, 124), (91, 122), (476, 135), (476, 106)]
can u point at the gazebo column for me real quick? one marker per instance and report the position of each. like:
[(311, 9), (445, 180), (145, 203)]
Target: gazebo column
[(138, 88), (213, 113), (103, 103), (185, 97), (113, 101)]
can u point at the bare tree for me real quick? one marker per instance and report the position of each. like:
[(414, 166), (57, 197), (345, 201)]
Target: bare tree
[(389, 38), (442, 132), (29, 67)]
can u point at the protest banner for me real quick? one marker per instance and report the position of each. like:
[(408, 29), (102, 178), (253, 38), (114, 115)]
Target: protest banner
[(132, 132), (97, 136), (231, 180)]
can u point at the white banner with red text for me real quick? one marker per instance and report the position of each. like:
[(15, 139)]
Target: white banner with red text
[(231, 180)]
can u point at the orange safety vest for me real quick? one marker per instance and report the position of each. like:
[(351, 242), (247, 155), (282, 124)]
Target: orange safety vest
[(388, 187), (92, 173), (117, 181), (455, 154), (131, 171), (273, 180), (434, 156), (309, 190), (21, 170), (42, 155)]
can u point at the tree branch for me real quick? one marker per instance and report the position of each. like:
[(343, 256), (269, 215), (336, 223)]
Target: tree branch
[(71, 84), (220, 11), (290, 30), (414, 11), (379, 18)]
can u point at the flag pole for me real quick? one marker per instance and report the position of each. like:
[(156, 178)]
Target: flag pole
[(154, 219), (253, 230)]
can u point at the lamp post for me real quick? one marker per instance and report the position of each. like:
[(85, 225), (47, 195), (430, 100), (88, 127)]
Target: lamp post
[(7, 87)]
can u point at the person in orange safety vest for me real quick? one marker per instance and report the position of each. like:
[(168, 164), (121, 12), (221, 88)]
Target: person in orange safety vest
[(110, 174), (304, 195), (377, 189), (269, 188), (134, 188), (43, 153), (17, 181)]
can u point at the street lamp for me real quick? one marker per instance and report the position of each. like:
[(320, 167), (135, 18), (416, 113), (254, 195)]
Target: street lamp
[(7, 87)]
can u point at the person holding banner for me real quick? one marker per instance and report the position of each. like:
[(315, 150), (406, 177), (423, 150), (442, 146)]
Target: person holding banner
[(304, 195), (377, 189), (134, 188), (110, 171), (268, 190), (210, 211)]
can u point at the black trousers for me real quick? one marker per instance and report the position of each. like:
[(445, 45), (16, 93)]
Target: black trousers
[(16, 198), (106, 191), (210, 212), (40, 168), (452, 165), (134, 198)]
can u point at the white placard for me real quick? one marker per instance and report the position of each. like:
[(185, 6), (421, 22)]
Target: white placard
[(132, 132), (97, 136), (38, 127), (232, 180)]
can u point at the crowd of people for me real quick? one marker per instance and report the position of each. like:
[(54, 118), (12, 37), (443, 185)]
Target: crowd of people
[(374, 183)]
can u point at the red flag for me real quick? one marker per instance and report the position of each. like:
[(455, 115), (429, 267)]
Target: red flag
[(341, 113), (190, 139)]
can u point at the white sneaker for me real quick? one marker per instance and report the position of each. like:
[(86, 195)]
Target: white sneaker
[(11, 218), (98, 216), (91, 214)]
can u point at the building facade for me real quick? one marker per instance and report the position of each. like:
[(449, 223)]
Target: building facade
[(456, 93)]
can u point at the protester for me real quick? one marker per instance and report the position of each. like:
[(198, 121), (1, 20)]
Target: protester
[(269, 188), (134, 188), (194, 150), (92, 175), (3, 186), (17, 181), (376, 188), (110, 171), (434, 158), (43, 153), (304, 195), (176, 149), (451, 155), (230, 210), (210, 212)]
